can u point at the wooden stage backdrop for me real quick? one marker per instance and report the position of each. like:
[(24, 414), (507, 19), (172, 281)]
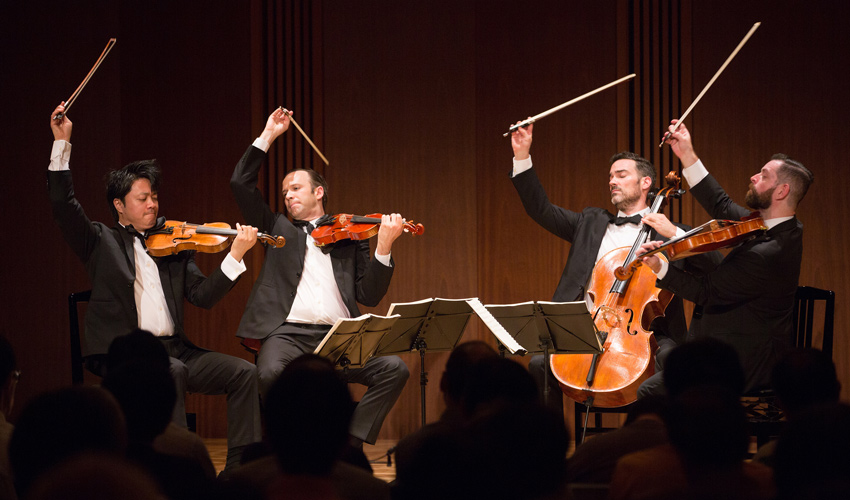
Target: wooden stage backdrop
[(408, 100)]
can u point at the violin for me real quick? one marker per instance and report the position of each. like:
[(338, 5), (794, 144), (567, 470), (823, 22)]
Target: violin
[(333, 228), (176, 236), (713, 235)]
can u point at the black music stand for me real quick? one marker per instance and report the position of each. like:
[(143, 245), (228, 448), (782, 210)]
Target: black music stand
[(535, 326), (352, 341), (425, 325)]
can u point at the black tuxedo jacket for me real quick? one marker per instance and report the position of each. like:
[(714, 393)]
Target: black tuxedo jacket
[(359, 279), (748, 300), (109, 257), (585, 231)]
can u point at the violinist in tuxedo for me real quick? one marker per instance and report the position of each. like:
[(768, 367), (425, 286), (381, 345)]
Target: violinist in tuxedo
[(131, 289), (748, 300), (302, 290), (593, 232)]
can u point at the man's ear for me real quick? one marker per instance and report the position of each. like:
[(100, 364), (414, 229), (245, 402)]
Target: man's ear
[(782, 192), (646, 183), (119, 206), (319, 192)]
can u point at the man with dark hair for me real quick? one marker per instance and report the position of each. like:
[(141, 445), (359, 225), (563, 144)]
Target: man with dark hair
[(302, 290), (593, 233), (131, 289), (748, 300)]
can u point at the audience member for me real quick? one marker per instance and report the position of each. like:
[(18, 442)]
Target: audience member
[(802, 379), (92, 475), (141, 346), (307, 413), (500, 430), (58, 425), (812, 461), (594, 460), (460, 363), (708, 436), (146, 393)]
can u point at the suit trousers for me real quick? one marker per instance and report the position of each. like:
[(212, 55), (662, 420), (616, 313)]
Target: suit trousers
[(207, 372), (385, 376)]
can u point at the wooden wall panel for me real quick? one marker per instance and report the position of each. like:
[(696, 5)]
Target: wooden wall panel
[(399, 108), (408, 101)]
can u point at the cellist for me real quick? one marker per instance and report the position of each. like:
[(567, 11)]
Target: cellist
[(593, 232), (748, 300)]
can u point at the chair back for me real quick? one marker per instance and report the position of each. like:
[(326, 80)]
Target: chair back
[(74, 300), (804, 314)]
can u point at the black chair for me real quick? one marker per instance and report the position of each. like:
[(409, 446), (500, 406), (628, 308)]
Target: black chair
[(597, 427), (764, 415), (77, 361), (96, 362)]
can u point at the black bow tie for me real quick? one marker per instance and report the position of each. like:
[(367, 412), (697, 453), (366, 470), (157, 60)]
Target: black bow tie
[(132, 231), (303, 224), (634, 219)]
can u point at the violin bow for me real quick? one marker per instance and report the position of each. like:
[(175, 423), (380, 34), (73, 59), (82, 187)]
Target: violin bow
[(291, 119), (710, 82), (564, 105), (76, 93)]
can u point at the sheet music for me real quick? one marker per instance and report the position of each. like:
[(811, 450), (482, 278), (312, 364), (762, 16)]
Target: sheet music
[(498, 330)]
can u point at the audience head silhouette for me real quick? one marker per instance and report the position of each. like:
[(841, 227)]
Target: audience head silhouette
[(804, 378), (704, 361), (58, 425), (308, 411)]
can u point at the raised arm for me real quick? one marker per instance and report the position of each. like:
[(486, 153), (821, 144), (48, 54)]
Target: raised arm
[(80, 233), (243, 182)]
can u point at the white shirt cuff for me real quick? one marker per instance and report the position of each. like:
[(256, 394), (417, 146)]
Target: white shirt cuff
[(261, 143), (695, 173), (60, 156), (384, 259), (231, 268), (521, 166), (663, 272)]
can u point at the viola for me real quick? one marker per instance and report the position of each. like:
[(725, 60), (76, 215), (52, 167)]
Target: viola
[(713, 235), (333, 228), (176, 236)]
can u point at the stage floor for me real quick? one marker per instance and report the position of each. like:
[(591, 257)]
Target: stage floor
[(218, 452)]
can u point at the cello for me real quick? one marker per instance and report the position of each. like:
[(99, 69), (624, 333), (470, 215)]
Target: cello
[(622, 312)]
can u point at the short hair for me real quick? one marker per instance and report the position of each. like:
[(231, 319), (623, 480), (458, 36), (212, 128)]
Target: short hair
[(702, 362), (796, 175), (119, 182), (308, 411), (316, 180), (643, 166), (803, 378), (460, 364)]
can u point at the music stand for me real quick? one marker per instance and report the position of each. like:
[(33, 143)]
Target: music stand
[(352, 341), (425, 325), (565, 326)]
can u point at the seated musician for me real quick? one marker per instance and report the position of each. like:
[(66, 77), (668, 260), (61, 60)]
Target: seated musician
[(748, 300), (593, 232), (131, 289), (302, 290)]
